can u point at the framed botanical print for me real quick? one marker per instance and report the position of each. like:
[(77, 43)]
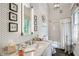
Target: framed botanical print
[(12, 16), (13, 27), (35, 28), (13, 7), (35, 17), (35, 22)]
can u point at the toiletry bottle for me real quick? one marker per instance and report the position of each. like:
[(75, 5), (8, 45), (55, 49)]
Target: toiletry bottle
[(21, 52)]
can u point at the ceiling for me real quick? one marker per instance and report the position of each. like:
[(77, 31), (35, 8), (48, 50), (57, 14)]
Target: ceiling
[(62, 12)]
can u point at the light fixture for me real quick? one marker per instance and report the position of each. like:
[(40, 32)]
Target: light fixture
[(56, 5)]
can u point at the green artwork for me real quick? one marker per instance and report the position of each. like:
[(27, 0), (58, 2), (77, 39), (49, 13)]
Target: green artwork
[(26, 24)]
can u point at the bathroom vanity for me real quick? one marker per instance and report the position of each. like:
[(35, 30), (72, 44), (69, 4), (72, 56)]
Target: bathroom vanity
[(39, 48)]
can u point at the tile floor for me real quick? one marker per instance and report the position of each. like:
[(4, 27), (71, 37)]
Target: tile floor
[(60, 52)]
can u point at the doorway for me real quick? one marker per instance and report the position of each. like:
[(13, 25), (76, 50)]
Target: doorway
[(65, 31)]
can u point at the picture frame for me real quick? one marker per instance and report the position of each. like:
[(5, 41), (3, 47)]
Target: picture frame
[(35, 17), (35, 22), (13, 7), (13, 27), (12, 16), (35, 28)]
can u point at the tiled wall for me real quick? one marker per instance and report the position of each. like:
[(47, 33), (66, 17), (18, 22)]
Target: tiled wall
[(6, 35), (39, 10), (16, 36)]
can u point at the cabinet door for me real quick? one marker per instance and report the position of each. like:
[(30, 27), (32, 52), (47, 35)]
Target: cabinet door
[(48, 51)]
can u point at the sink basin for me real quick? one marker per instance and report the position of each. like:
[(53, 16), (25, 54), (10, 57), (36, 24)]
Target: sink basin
[(33, 47), (30, 48)]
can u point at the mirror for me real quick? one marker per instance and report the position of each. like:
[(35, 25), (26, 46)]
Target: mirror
[(26, 20)]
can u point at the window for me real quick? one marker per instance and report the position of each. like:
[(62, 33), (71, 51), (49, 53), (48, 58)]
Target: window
[(75, 22)]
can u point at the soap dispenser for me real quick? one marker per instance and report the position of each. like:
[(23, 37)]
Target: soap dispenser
[(21, 51)]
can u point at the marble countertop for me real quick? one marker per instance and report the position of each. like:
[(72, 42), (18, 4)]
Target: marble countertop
[(39, 48)]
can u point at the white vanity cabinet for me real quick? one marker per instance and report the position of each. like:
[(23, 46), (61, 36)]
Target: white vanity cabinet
[(48, 51), (44, 49), (76, 50)]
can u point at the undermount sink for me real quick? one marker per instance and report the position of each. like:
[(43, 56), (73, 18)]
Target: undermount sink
[(34, 46), (35, 49), (30, 48)]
